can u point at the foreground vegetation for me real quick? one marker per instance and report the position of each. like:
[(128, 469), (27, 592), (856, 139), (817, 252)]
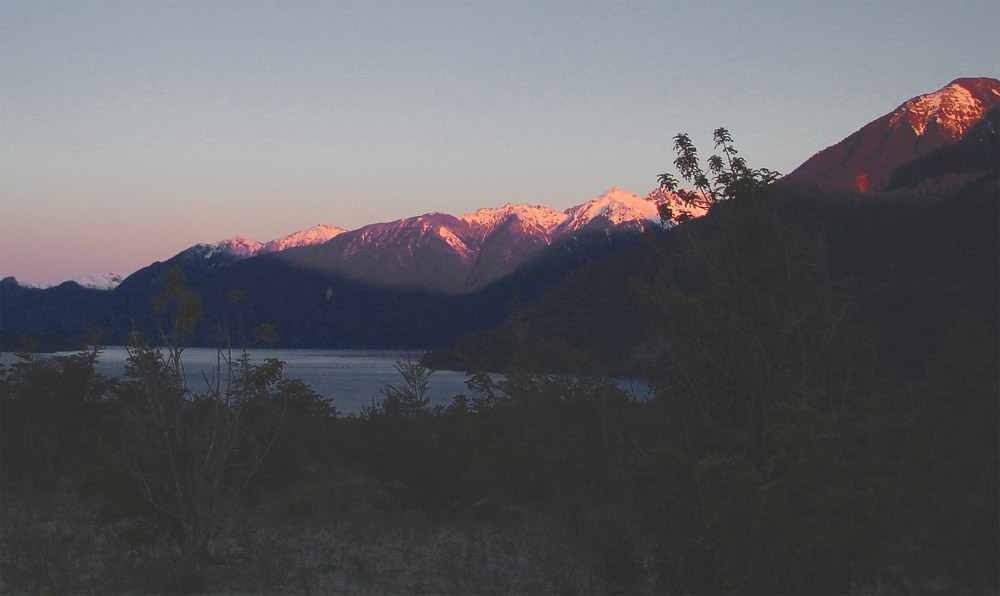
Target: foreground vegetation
[(773, 457)]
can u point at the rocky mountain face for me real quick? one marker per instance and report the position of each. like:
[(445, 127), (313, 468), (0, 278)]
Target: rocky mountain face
[(866, 160)]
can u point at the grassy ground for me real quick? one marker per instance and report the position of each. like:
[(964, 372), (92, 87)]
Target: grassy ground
[(54, 542)]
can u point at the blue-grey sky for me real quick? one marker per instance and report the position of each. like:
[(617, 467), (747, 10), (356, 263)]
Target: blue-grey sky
[(132, 130)]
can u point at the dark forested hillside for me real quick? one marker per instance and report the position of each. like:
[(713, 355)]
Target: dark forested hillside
[(51, 315), (912, 261)]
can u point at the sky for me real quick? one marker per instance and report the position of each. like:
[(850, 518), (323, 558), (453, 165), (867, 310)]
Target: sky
[(130, 131)]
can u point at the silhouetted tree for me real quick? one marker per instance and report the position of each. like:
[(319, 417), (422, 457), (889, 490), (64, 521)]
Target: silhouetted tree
[(190, 453), (727, 177)]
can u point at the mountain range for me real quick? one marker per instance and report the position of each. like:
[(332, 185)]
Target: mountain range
[(437, 251), (427, 280)]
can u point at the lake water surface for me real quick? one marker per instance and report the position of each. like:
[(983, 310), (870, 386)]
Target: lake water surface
[(351, 378)]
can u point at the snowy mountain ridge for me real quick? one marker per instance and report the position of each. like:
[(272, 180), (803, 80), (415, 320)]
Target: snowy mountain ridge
[(509, 234), (465, 233), (94, 281), (616, 206), (238, 245), (314, 235), (541, 219), (246, 247), (441, 252), (952, 109), (865, 161)]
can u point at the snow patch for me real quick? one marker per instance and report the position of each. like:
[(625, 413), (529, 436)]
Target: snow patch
[(100, 281), (532, 218), (456, 243), (238, 245), (94, 281), (245, 247), (953, 109), (616, 206), (315, 235)]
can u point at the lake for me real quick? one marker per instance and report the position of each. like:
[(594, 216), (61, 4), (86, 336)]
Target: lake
[(351, 378)]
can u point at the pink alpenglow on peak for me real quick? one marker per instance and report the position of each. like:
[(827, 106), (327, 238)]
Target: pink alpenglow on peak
[(315, 235), (616, 206), (239, 245), (245, 247), (539, 219), (953, 109), (866, 160)]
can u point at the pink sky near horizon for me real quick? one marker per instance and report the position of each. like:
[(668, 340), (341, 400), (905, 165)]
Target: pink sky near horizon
[(131, 131)]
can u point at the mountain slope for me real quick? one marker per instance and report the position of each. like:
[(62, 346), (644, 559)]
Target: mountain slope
[(510, 236), (430, 251), (865, 160), (978, 151)]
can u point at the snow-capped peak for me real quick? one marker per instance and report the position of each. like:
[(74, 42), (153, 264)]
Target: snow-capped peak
[(29, 284), (94, 281), (245, 247), (238, 245), (616, 206), (315, 235), (100, 281), (953, 109), (485, 220)]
